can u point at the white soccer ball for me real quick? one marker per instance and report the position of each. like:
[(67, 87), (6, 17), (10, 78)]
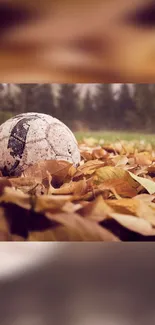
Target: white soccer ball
[(31, 137)]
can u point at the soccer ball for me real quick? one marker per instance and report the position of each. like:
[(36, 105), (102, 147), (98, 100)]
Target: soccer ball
[(31, 137)]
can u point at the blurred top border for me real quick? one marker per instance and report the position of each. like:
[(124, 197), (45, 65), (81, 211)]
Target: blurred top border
[(83, 41)]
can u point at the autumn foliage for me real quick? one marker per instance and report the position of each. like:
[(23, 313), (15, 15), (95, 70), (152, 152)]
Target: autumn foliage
[(109, 197)]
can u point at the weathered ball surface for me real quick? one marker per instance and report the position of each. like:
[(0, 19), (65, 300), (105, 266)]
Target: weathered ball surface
[(31, 137)]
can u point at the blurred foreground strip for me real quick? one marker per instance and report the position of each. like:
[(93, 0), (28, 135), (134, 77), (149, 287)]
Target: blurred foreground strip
[(70, 41), (109, 197)]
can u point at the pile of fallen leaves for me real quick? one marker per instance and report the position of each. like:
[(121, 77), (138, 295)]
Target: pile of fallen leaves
[(109, 197)]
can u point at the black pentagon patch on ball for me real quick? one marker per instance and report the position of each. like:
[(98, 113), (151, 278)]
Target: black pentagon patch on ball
[(17, 141)]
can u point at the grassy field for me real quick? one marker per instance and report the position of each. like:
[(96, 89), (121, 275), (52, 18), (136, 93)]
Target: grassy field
[(112, 136)]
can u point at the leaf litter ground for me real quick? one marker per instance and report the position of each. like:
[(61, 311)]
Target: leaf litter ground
[(109, 197)]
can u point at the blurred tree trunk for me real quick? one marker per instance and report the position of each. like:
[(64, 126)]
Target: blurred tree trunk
[(68, 104), (105, 106)]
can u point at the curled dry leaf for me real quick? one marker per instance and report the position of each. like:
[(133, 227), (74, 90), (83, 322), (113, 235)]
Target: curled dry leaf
[(4, 226), (97, 210), (57, 169), (4, 182), (143, 158), (151, 169), (17, 238), (76, 188), (26, 184), (50, 202), (99, 153), (136, 207), (140, 226), (120, 160), (86, 155), (145, 197), (88, 168), (116, 178), (149, 185), (84, 230), (16, 197)]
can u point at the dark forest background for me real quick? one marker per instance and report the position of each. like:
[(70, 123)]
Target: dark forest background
[(131, 107)]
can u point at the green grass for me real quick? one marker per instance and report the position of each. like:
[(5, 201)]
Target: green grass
[(112, 136)]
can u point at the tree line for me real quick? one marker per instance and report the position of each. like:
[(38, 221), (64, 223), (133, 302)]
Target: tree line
[(131, 107)]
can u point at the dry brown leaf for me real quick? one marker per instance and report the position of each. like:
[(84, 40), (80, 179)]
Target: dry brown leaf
[(25, 184), (134, 207), (17, 238), (88, 168), (58, 169), (72, 171), (56, 234), (97, 210), (4, 224), (145, 197), (59, 233), (46, 203), (143, 158), (86, 155), (76, 188), (70, 207), (84, 229), (17, 197), (133, 223), (99, 154), (115, 148), (120, 160), (5, 236), (4, 182), (151, 169), (148, 184), (115, 178)]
